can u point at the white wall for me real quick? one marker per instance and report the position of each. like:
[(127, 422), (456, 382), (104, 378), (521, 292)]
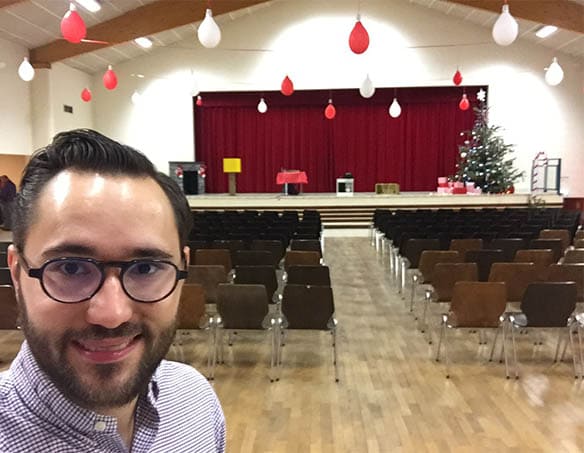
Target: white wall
[(15, 113), (308, 40)]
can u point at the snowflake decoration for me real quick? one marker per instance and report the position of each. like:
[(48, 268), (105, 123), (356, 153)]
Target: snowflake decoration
[(481, 95)]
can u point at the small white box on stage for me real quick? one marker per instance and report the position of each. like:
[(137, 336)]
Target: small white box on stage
[(345, 187)]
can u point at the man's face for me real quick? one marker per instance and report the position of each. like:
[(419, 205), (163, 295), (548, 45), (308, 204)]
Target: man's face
[(101, 352)]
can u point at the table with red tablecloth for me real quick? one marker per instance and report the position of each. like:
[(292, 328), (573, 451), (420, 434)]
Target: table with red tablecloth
[(291, 177)]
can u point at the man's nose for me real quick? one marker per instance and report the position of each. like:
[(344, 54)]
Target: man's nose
[(110, 306)]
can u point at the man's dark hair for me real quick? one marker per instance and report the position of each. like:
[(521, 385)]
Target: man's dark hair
[(86, 150)]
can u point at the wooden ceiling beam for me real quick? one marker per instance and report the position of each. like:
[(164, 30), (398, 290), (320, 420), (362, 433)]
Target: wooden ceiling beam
[(5, 3), (564, 14), (146, 20)]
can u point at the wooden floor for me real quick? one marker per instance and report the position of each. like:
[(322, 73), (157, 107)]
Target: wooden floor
[(392, 396)]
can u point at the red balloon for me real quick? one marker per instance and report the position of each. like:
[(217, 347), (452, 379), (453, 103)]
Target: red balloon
[(287, 86), (330, 111), (457, 79), (110, 80), (199, 101), (464, 104), (359, 38), (72, 26), (86, 95)]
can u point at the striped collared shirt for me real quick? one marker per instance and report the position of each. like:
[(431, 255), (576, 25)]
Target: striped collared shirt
[(179, 413)]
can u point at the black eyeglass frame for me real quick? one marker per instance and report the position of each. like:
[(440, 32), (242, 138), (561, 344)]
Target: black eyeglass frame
[(102, 265)]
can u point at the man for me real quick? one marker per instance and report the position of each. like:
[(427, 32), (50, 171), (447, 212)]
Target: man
[(7, 195), (98, 264)]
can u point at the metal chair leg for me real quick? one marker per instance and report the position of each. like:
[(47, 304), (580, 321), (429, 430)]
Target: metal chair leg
[(515, 364), (573, 351), (335, 356), (415, 279), (440, 340)]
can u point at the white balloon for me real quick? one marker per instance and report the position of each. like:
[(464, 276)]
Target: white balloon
[(506, 28), (367, 89), (136, 98), (209, 32), (554, 74), (25, 70), (262, 106), (394, 109)]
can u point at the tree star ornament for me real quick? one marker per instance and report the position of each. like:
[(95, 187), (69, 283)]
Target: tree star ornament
[(481, 95)]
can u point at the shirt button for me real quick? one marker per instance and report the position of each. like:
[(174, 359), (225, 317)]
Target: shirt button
[(100, 426)]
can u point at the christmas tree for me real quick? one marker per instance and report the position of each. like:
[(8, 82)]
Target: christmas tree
[(484, 158)]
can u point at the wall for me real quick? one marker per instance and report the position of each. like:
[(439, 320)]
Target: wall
[(308, 40), (11, 165), (15, 114)]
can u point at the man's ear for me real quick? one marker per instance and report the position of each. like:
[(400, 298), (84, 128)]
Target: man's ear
[(13, 259), (187, 255)]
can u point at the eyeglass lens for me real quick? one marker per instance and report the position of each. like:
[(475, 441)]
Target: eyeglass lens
[(74, 280)]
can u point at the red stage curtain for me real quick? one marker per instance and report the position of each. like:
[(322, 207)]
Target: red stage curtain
[(412, 150)]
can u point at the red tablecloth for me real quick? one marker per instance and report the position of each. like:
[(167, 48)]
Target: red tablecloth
[(291, 177)]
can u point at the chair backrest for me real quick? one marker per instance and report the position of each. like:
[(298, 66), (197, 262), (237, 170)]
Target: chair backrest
[(191, 306), (573, 256), (563, 235), (258, 275), (253, 258), (242, 306), (301, 258), (414, 247), (447, 274), (568, 273), (517, 276), (484, 259), (309, 245), (309, 275), (3, 260), (4, 246), (478, 304), (509, 246), (464, 245), (579, 243), (555, 245), (5, 277), (549, 304), (429, 259), (541, 258), (579, 235), (308, 306), (221, 257), (209, 277), (274, 246), (8, 308)]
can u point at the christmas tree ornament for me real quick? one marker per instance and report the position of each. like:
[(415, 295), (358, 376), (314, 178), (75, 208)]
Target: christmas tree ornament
[(72, 26), (457, 78), (506, 28), (287, 87), (359, 38)]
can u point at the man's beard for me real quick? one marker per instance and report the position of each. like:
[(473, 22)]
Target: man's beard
[(51, 355)]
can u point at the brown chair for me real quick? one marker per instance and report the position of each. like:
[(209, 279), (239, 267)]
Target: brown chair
[(309, 275), (562, 235), (509, 246), (301, 258), (541, 258), (446, 275), (517, 276), (209, 277), (573, 256), (233, 245), (308, 245), (259, 275), (464, 245), (475, 305), (546, 305), (568, 273), (8, 309), (275, 247), (221, 257), (243, 308), (579, 244), (3, 260), (484, 259), (307, 307), (253, 258), (555, 245), (579, 235)]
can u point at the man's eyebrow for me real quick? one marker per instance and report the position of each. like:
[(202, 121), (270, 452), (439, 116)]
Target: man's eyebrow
[(75, 249)]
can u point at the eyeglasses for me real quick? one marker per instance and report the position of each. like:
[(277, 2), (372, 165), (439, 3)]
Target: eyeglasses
[(72, 280)]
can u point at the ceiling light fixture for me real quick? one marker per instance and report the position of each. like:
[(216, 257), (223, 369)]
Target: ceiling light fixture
[(92, 6), (545, 31), (143, 42)]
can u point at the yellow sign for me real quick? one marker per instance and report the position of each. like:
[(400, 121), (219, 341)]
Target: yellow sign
[(231, 165)]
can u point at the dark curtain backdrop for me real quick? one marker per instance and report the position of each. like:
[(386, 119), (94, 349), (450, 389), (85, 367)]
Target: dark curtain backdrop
[(412, 150)]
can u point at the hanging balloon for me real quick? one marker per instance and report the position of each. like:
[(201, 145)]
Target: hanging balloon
[(110, 80), (464, 104), (457, 79), (25, 70), (395, 109), (262, 106), (199, 101), (72, 25), (86, 95), (208, 32), (359, 38), (287, 86), (330, 111), (367, 89)]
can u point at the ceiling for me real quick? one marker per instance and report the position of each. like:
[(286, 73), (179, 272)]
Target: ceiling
[(35, 24)]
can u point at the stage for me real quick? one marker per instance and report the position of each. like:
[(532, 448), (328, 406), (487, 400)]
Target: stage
[(356, 211)]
